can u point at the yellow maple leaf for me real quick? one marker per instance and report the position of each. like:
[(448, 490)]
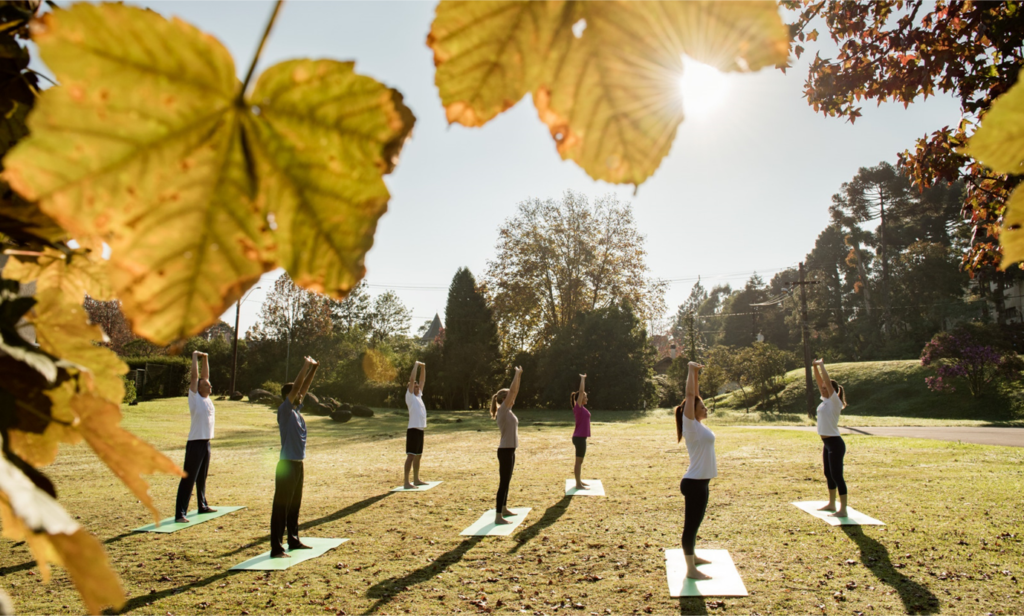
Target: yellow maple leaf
[(150, 145), (608, 91), (76, 274)]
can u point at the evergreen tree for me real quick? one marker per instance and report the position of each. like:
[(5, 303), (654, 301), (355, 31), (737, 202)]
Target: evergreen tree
[(471, 353)]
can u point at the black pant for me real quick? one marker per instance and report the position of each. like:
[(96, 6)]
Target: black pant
[(832, 453), (506, 462), (695, 494), (580, 443), (197, 465), (287, 500)]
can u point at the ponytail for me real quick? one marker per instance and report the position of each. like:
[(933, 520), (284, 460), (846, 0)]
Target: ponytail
[(836, 387), (572, 399), (679, 422), (494, 401)]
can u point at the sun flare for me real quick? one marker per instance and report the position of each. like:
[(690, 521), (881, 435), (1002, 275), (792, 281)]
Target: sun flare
[(703, 88)]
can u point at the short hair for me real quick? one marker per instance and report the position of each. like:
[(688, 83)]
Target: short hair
[(286, 389)]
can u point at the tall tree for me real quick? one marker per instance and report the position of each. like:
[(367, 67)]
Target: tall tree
[(354, 311), (389, 317), (471, 352), (294, 322), (903, 50), (557, 259)]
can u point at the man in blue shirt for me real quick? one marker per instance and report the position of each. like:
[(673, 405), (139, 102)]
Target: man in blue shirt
[(288, 485)]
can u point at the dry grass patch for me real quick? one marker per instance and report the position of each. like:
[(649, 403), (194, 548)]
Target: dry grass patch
[(952, 543)]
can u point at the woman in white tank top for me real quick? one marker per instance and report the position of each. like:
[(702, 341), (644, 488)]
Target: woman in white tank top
[(833, 401), (700, 446)]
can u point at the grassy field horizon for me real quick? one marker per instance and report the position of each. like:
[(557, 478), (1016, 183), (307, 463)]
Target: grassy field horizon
[(952, 543)]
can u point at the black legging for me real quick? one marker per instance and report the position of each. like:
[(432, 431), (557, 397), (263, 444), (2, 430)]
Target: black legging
[(197, 465), (695, 494), (290, 476), (832, 458), (506, 462)]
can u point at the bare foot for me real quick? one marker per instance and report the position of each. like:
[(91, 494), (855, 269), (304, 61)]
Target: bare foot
[(839, 514), (408, 486), (828, 507), (694, 574), (507, 512), (279, 555), (181, 520), (500, 520), (582, 486), (701, 561), (419, 483)]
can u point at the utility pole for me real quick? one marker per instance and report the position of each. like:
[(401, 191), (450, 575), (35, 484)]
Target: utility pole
[(804, 334), (234, 347)]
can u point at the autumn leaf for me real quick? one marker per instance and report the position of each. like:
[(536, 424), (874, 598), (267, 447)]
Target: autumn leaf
[(124, 453), (604, 75), (27, 513), (76, 274), (999, 144), (62, 329), (149, 145)]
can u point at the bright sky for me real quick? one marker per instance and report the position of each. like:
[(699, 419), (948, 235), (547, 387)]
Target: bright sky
[(746, 187)]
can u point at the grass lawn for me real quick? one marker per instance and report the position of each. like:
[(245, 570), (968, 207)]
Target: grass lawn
[(952, 544), (887, 393)]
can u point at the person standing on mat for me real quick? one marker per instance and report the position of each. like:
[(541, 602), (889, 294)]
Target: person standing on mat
[(700, 447), (582, 432), (508, 423), (290, 475), (833, 401), (197, 449), (417, 426)]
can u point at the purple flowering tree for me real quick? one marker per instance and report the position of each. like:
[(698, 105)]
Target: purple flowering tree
[(957, 356)]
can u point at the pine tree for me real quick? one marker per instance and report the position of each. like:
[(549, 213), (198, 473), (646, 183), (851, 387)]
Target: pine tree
[(471, 352)]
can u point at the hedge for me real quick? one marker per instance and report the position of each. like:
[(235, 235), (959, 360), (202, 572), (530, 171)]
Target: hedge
[(166, 376)]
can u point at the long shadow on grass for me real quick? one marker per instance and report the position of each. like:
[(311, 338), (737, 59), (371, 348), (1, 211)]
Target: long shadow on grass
[(141, 601), (692, 605), (337, 515), (916, 598), (550, 517), (386, 590)]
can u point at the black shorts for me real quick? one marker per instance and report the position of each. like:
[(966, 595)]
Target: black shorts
[(580, 442), (414, 442)]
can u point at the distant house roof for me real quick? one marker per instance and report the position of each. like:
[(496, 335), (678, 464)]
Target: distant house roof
[(433, 331)]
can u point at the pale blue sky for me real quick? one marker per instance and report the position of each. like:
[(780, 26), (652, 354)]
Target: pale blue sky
[(746, 187)]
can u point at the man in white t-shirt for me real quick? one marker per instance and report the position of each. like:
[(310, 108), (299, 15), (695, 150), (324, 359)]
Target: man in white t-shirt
[(417, 425), (197, 450)]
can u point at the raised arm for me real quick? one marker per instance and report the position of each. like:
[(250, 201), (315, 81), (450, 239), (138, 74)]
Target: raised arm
[(306, 382), (204, 373), (293, 395), (583, 381), (822, 378), (692, 390), (412, 376), (423, 375), (194, 383), (513, 389)]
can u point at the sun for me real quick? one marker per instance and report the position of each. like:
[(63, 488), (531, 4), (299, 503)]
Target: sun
[(703, 88)]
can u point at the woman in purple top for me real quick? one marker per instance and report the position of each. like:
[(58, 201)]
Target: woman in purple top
[(579, 437)]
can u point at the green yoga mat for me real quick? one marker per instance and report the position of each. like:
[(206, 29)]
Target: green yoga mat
[(853, 518), (594, 488), (264, 562), (430, 484), (485, 526), (168, 525), (725, 579)]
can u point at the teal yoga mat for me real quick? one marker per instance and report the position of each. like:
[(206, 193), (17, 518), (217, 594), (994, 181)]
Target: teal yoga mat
[(725, 579), (853, 518), (264, 562), (168, 525), (485, 526), (430, 484)]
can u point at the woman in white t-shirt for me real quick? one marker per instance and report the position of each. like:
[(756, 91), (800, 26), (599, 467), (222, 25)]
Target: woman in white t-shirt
[(700, 446), (833, 401)]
